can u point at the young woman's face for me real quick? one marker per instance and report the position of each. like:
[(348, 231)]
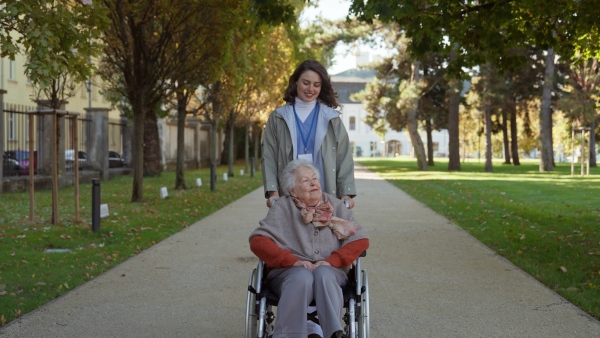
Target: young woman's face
[(308, 186), (308, 86)]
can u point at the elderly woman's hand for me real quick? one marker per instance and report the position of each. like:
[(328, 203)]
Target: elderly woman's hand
[(319, 263), (305, 264)]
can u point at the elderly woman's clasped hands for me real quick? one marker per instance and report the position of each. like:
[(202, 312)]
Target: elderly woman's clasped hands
[(310, 266)]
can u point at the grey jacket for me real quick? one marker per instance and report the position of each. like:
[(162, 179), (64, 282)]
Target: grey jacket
[(283, 224), (333, 155)]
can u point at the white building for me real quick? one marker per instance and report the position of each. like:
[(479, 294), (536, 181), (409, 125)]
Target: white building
[(365, 142)]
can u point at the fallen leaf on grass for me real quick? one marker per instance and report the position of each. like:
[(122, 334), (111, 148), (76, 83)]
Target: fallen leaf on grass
[(563, 269), (65, 236)]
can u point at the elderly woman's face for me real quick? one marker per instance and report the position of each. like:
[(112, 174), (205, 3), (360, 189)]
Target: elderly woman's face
[(308, 186)]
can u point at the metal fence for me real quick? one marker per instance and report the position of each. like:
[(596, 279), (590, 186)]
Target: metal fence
[(16, 157), (116, 130), (84, 126)]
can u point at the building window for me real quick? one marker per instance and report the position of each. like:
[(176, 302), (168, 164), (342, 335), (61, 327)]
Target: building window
[(12, 71), (373, 149), (94, 93), (352, 123), (11, 127), (436, 146)]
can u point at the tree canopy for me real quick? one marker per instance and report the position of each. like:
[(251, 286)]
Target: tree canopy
[(58, 37)]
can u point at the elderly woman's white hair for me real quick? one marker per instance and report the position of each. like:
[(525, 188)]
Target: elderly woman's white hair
[(288, 175)]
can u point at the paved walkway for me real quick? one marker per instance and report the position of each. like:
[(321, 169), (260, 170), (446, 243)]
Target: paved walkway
[(428, 278)]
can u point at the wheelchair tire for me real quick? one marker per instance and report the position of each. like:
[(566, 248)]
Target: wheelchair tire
[(363, 318), (251, 315)]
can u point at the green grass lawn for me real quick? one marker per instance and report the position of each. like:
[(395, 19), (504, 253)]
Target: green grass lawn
[(29, 277), (545, 223)]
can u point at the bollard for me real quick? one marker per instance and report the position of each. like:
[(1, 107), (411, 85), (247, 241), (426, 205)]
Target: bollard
[(213, 176), (95, 205), (252, 167)]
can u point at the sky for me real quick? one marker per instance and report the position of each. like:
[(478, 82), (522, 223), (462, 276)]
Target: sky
[(344, 56)]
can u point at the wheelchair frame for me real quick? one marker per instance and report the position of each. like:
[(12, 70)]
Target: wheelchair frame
[(260, 318)]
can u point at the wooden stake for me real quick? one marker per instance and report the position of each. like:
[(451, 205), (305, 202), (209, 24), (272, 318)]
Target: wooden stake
[(32, 162), (54, 170), (573, 151), (76, 166)]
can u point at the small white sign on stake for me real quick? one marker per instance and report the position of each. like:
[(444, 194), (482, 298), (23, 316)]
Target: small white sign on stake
[(163, 192), (225, 177), (241, 172), (199, 182), (104, 210)]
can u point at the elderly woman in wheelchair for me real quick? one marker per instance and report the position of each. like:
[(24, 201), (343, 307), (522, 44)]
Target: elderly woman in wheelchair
[(308, 240)]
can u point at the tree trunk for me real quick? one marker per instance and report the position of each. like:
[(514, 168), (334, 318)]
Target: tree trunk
[(514, 144), (214, 139), (505, 140), (246, 147), (230, 155), (546, 151), (181, 115), (429, 130), (152, 154), (592, 145), (412, 125), (487, 126), (139, 116), (256, 136), (214, 132), (453, 121)]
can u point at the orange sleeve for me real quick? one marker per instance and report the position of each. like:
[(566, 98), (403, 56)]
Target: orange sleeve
[(274, 256), (348, 253)]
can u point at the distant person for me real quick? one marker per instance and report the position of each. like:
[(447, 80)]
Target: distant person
[(308, 127)]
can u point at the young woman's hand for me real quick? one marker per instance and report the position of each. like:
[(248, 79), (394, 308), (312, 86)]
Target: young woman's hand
[(350, 201), (273, 196)]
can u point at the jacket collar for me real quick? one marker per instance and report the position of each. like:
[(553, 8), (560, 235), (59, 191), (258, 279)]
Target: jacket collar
[(287, 112)]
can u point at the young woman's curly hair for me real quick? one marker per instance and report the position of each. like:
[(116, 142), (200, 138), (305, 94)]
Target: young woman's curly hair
[(327, 95)]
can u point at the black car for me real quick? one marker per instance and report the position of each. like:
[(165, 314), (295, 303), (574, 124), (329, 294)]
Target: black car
[(10, 166), (115, 160)]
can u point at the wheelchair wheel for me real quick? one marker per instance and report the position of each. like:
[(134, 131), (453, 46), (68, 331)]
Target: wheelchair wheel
[(251, 315), (363, 317)]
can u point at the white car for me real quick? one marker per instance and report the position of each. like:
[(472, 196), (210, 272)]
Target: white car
[(83, 159)]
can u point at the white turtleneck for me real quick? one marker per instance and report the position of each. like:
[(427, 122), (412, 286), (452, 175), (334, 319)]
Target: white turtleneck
[(303, 109)]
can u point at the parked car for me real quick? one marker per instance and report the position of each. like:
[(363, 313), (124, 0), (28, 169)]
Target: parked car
[(10, 166), (115, 160), (22, 157), (82, 157)]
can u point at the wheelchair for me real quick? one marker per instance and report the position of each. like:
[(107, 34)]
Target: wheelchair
[(260, 315)]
